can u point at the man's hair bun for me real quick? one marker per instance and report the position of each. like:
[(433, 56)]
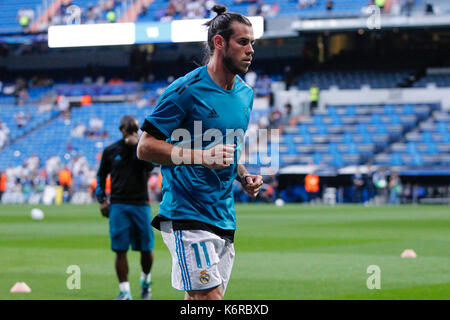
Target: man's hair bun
[(219, 9)]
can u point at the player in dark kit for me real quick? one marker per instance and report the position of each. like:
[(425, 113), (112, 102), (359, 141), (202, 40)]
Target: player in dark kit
[(128, 208)]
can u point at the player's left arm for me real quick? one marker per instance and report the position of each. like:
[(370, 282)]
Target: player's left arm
[(251, 183)]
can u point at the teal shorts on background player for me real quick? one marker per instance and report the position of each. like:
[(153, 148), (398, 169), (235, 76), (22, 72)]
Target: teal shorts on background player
[(130, 224)]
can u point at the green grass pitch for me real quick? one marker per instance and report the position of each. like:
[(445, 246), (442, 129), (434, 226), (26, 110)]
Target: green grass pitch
[(293, 252)]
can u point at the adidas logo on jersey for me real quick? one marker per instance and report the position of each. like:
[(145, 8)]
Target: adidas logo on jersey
[(213, 114)]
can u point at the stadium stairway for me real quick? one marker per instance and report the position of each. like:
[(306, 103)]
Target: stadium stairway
[(46, 15)]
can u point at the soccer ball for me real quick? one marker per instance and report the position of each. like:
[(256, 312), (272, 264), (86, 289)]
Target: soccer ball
[(37, 214), (279, 202)]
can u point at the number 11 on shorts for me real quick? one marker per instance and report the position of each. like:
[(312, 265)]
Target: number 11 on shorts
[(197, 254)]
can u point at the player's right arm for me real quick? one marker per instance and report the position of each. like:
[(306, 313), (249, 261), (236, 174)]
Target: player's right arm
[(102, 173), (170, 112), (155, 150)]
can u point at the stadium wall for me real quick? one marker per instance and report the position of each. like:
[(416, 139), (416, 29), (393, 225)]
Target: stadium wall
[(431, 94), (66, 60)]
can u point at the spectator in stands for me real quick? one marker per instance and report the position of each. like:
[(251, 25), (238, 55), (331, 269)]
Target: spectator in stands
[(263, 122), (394, 7), (275, 9), (263, 86), (170, 11), (4, 134), (329, 5), (73, 15), (306, 3), (22, 119), (64, 5), (86, 100), (313, 97), (252, 10), (25, 16), (96, 128), (250, 78), (65, 180), (302, 4), (429, 9), (312, 186), (381, 185), (2, 184), (380, 4), (32, 163), (46, 104), (275, 116), (268, 190), (287, 118), (407, 6), (41, 180), (395, 188), (52, 167), (79, 164), (194, 10), (267, 10), (22, 97), (95, 125), (3, 139), (288, 76), (69, 147), (63, 105), (111, 16), (154, 188), (60, 16), (358, 186), (115, 80), (92, 14), (369, 187)]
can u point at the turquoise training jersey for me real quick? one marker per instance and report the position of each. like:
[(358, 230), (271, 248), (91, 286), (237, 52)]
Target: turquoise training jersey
[(194, 192)]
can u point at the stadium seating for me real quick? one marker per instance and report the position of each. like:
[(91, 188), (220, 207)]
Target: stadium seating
[(391, 135), (8, 14), (440, 80), (96, 89), (351, 135), (341, 135), (155, 11), (55, 137), (342, 8), (427, 145), (8, 115), (352, 79)]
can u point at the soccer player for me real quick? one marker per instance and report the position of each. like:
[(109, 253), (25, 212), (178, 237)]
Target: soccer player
[(128, 208), (197, 215)]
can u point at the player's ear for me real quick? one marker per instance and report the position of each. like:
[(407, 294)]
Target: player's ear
[(219, 42)]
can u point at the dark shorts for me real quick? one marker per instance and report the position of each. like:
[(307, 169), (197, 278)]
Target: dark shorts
[(130, 224)]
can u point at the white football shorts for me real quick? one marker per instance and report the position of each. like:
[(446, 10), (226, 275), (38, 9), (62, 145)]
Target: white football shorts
[(200, 259)]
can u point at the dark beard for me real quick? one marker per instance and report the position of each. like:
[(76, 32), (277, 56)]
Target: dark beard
[(232, 67)]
